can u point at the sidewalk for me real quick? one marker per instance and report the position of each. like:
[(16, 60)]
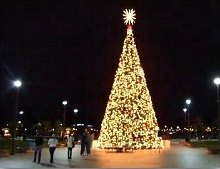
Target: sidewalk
[(174, 157), (24, 160)]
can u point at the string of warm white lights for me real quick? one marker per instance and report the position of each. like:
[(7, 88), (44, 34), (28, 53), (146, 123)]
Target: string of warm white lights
[(129, 119)]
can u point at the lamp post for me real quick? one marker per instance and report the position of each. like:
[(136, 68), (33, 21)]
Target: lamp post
[(188, 102), (75, 113), (21, 113), (17, 84), (185, 110), (186, 123), (64, 115), (217, 82), (22, 122)]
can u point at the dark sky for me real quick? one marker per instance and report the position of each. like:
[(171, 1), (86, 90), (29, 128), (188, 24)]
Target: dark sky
[(70, 50)]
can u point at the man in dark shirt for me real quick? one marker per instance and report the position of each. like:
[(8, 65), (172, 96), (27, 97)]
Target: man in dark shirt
[(38, 147), (85, 143)]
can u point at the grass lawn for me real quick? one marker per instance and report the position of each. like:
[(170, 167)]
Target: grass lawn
[(5, 145), (20, 145), (206, 144)]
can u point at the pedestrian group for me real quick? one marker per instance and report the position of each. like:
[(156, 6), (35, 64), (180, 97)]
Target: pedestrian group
[(86, 141)]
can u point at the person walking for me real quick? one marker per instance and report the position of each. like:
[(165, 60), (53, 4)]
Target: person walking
[(88, 143), (85, 143), (38, 147), (70, 145), (52, 143)]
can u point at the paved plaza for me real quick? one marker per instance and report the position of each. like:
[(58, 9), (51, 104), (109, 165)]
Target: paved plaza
[(176, 156)]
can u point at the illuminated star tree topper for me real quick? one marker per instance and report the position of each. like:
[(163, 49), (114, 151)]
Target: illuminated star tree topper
[(129, 19), (129, 16)]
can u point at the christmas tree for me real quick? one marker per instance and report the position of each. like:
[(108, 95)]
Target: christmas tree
[(129, 120)]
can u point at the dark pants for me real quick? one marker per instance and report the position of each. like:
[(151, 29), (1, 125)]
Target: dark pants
[(69, 152), (85, 147), (51, 150), (88, 148), (37, 153)]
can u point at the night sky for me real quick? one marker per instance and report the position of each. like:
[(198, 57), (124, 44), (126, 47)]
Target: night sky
[(70, 51)]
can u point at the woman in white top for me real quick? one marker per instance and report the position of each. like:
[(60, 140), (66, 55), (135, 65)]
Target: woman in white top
[(52, 143), (70, 145)]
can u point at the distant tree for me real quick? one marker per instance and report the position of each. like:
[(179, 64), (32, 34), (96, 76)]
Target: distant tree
[(58, 127), (11, 128), (198, 126), (216, 122), (36, 127), (42, 127), (46, 127)]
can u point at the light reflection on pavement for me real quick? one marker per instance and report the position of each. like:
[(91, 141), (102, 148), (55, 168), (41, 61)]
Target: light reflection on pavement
[(176, 156)]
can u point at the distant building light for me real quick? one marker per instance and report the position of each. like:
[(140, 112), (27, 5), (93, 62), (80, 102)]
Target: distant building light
[(208, 129), (6, 132), (79, 124)]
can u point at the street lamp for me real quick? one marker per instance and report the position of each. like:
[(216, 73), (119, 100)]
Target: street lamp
[(64, 113), (22, 122), (21, 112), (185, 120), (17, 84), (185, 110), (75, 111), (217, 82), (75, 114), (188, 102)]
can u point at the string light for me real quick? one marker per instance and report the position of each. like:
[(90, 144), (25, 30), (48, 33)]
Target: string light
[(129, 118)]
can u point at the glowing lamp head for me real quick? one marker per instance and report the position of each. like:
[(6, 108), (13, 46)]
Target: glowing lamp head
[(217, 81), (75, 110), (17, 83), (185, 110), (64, 102), (188, 101)]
